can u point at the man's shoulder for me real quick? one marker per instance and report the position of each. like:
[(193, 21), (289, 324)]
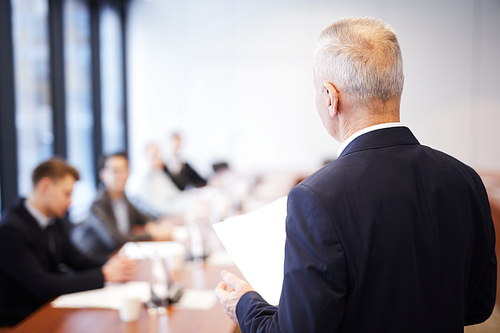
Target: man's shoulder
[(13, 213), (10, 220), (344, 175), (448, 160), (14, 222), (327, 182), (335, 171)]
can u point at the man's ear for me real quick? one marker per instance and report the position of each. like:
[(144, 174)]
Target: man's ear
[(332, 95), (43, 184)]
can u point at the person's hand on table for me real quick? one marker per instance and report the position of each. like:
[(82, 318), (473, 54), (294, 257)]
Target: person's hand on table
[(119, 269), (174, 220), (229, 292), (161, 231)]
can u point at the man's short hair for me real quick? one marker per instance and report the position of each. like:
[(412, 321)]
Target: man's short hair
[(55, 168), (361, 57), (101, 163)]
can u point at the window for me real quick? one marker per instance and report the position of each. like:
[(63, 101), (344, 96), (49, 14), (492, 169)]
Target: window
[(79, 114), (30, 36), (113, 122), (63, 90)]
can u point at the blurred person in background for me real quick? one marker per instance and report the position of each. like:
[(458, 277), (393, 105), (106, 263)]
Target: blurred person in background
[(153, 191), (37, 258), (113, 220), (181, 173)]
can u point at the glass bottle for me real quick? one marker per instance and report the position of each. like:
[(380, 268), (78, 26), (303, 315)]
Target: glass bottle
[(159, 285)]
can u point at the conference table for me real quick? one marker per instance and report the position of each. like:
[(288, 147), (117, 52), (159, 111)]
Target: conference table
[(78, 320), (65, 320), (93, 320)]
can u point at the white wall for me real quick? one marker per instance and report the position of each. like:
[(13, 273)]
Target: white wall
[(236, 77)]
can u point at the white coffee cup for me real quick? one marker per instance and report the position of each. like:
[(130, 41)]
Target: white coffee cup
[(130, 308)]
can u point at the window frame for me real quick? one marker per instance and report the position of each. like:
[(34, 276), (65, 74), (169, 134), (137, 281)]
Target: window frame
[(8, 141)]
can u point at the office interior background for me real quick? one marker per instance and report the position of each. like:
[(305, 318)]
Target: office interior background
[(82, 78)]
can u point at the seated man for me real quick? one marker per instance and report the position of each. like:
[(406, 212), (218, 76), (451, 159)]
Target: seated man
[(181, 173), (154, 192), (37, 259), (113, 220)]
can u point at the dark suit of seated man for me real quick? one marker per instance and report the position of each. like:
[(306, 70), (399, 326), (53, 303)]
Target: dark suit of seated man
[(113, 218), (37, 259), (392, 236), (182, 174)]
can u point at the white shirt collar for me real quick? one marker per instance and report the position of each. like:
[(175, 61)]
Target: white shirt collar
[(43, 221), (364, 131)]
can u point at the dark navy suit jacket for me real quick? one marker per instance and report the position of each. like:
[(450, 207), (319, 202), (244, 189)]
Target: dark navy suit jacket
[(393, 236), (33, 269)]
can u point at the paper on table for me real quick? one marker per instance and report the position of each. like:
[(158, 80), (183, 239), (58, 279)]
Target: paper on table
[(111, 295), (256, 243), (108, 297), (145, 250), (195, 299), (173, 252)]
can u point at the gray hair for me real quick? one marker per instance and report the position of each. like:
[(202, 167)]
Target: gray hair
[(361, 57)]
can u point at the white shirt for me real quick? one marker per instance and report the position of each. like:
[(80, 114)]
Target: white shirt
[(364, 131), (120, 209), (155, 191), (43, 221)]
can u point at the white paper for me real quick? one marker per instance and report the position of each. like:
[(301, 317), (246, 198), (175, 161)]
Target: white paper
[(196, 299), (147, 250), (109, 297), (173, 252), (256, 243)]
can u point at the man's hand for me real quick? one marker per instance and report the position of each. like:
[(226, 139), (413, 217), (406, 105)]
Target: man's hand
[(119, 269), (229, 292)]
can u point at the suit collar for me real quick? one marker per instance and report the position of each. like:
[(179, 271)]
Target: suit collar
[(381, 138), (18, 208), (42, 220), (363, 131)]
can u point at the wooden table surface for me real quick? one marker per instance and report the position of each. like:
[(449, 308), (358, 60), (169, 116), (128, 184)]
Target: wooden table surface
[(67, 320), (48, 319)]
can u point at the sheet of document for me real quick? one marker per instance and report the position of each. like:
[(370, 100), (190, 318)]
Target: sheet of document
[(147, 250), (109, 297), (256, 243), (196, 299), (173, 252)]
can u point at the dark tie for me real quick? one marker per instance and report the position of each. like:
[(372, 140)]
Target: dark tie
[(51, 240), (51, 237)]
